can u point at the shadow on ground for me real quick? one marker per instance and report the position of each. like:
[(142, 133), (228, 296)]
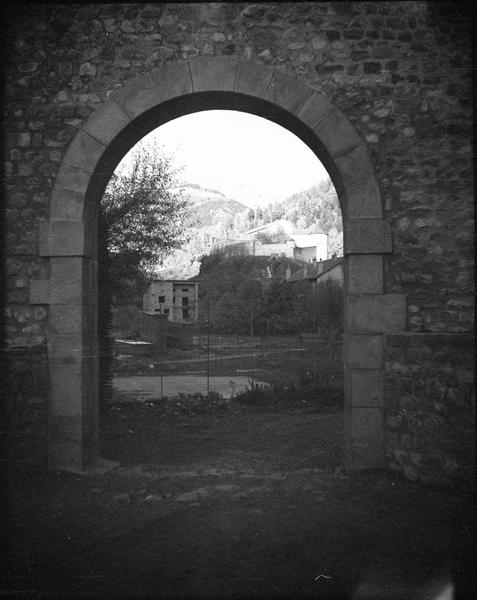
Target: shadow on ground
[(237, 502)]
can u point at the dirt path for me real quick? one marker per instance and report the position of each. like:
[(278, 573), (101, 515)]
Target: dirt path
[(232, 503)]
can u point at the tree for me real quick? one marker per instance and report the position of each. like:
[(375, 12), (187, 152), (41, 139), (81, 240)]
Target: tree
[(140, 222), (141, 217)]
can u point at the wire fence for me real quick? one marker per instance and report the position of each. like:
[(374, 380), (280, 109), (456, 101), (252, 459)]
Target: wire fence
[(191, 360)]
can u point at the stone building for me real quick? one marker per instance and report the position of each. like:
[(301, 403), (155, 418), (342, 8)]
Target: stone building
[(177, 300), (379, 91)]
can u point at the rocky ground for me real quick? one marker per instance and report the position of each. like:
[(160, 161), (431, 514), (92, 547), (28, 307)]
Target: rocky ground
[(235, 501)]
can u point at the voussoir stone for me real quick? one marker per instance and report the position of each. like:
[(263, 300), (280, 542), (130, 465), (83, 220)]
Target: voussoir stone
[(106, 122), (291, 93), (216, 73), (252, 78)]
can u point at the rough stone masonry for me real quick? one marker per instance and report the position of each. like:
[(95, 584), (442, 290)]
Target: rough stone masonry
[(401, 74)]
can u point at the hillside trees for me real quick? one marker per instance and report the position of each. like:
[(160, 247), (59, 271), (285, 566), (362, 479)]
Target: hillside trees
[(140, 219)]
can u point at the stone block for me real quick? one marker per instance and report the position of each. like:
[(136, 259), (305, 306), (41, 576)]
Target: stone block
[(66, 319), (40, 291), (367, 388), (315, 109), (62, 238), (252, 78), (67, 292), (172, 79), (106, 122), (66, 349), (66, 382), (366, 439), (66, 205), (84, 152), (73, 178), (138, 96), (376, 313), (365, 274), (288, 92), (355, 167), (362, 201), (367, 236), (364, 351), (337, 133), (214, 73), (68, 268)]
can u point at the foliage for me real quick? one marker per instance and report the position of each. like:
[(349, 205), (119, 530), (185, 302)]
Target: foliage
[(141, 218), (139, 223), (239, 290), (279, 236), (314, 392)]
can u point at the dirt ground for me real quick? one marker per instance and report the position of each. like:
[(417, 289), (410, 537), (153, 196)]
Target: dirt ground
[(233, 502)]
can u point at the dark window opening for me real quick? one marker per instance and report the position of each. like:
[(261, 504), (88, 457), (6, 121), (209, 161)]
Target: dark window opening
[(185, 313), (185, 301), (162, 299)]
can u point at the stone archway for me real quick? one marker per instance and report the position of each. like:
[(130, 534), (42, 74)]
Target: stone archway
[(69, 239)]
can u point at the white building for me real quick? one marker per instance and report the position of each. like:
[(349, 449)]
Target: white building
[(310, 244), (178, 300)]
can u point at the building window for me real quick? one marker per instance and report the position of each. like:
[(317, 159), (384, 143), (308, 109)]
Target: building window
[(185, 301), (162, 299), (166, 311), (185, 313), (186, 290)]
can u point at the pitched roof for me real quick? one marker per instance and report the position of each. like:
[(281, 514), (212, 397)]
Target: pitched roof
[(312, 229)]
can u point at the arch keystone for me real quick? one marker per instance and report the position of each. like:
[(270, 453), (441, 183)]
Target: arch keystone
[(215, 73), (106, 122)]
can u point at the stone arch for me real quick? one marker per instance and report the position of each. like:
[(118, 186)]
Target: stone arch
[(69, 239)]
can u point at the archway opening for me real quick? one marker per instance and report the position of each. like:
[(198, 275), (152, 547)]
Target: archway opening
[(69, 240), (262, 278)]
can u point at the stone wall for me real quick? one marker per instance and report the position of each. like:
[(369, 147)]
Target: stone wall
[(26, 406), (430, 406), (399, 71)]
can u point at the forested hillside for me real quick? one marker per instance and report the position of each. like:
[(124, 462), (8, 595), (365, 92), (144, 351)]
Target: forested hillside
[(213, 217)]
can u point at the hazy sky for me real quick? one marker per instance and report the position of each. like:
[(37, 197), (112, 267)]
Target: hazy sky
[(246, 157)]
